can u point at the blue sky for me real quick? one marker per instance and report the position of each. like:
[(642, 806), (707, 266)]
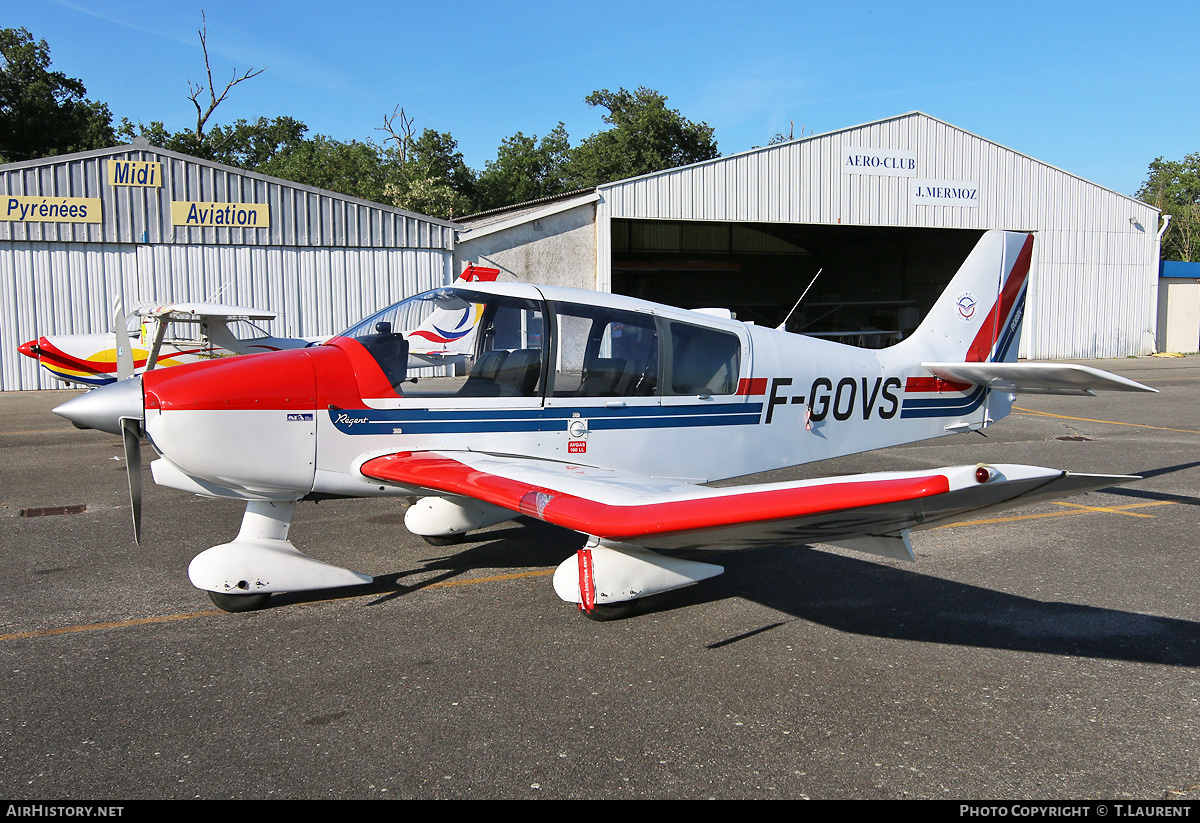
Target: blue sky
[(1099, 89)]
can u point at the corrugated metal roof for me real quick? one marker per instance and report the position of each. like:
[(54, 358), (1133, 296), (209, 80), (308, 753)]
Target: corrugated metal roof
[(299, 215), (824, 136), (1094, 292)]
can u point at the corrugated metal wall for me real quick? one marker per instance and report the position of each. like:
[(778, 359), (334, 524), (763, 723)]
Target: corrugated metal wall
[(300, 215), (325, 261), (68, 288), (1095, 289)]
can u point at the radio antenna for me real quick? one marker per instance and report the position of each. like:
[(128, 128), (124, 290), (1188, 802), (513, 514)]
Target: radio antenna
[(783, 326)]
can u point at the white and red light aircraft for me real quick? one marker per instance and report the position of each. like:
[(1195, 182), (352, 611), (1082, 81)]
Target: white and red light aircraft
[(600, 413)]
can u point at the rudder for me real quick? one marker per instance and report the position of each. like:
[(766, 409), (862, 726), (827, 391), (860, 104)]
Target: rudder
[(977, 318)]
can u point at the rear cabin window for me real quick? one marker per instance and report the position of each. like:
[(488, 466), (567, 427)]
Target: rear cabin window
[(703, 361)]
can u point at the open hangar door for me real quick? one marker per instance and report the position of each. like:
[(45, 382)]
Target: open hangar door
[(876, 283)]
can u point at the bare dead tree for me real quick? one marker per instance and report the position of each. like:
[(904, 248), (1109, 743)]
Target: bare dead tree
[(404, 139), (196, 90)]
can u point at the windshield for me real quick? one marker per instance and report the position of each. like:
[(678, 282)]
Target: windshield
[(457, 342)]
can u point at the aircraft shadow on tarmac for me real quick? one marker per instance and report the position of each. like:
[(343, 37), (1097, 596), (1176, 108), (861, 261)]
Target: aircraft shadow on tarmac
[(844, 593)]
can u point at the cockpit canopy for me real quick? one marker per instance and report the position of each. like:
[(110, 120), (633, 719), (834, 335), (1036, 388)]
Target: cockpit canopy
[(460, 342)]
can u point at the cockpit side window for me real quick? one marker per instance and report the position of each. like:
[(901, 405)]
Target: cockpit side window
[(245, 330), (703, 361), (605, 353), (509, 359)]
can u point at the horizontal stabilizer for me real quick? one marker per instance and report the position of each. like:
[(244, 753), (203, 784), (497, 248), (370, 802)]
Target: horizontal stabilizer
[(1035, 378)]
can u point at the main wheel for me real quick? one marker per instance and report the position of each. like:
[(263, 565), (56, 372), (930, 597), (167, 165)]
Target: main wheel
[(239, 602), (603, 612), (444, 539)]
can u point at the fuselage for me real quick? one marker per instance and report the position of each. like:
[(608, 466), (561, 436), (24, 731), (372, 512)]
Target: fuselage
[(570, 376)]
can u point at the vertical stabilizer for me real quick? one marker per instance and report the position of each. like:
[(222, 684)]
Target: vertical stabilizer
[(977, 319)]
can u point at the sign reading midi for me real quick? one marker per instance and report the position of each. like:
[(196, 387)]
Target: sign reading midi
[(134, 173), (221, 215)]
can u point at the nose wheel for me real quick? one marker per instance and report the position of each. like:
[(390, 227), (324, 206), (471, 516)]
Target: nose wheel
[(238, 602)]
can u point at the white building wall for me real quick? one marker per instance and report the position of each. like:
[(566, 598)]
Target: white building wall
[(1095, 289)]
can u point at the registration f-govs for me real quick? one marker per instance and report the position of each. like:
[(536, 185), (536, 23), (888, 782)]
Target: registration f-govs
[(600, 413)]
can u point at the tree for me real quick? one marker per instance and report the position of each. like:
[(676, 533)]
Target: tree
[(1174, 187), (44, 113), (244, 144), (354, 168), (426, 174), (255, 145), (645, 137), (196, 90), (525, 169)]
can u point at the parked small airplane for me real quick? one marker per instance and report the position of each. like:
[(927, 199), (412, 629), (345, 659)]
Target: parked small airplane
[(600, 413), (179, 333), (161, 336)]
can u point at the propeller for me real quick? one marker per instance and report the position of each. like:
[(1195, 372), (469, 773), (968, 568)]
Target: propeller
[(124, 351), (131, 434), (117, 408)]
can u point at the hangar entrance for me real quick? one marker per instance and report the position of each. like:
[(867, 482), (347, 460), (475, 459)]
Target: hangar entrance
[(876, 284)]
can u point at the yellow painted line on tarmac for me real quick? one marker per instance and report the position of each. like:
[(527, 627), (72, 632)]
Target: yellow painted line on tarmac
[(1109, 422), (116, 624), (122, 624), (1116, 509), (494, 578), (1073, 509)]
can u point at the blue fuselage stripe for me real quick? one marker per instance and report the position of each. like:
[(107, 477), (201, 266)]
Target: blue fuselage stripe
[(437, 421)]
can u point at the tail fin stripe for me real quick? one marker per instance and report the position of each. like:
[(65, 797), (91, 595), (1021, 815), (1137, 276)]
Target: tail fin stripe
[(1009, 335), (997, 319)]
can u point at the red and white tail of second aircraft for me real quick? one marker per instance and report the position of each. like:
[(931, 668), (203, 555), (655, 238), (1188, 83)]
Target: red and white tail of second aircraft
[(604, 415)]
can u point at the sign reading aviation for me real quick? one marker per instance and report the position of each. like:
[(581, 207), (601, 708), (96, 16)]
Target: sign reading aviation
[(220, 215)]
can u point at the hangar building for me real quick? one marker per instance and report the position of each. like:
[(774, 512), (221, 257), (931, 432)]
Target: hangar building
[(154, 225), (885, 211)]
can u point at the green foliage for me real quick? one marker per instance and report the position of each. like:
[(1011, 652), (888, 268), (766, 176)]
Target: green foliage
[(429, 176), (645, 137), (1174, 187), (44, 113), (526, 169), (352, 168)]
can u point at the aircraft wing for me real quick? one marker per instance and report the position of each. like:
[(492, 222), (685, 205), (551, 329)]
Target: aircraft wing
[(194, 311), (1035, 378), (869, 512)]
